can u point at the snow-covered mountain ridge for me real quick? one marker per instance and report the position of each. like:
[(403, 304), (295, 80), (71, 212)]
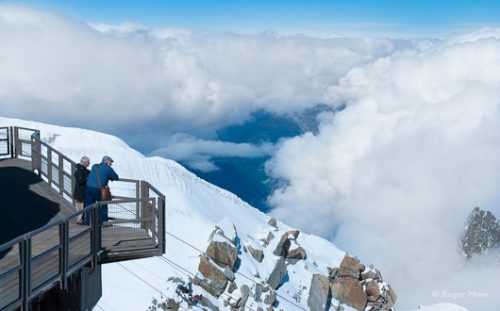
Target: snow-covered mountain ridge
[(194, 208)]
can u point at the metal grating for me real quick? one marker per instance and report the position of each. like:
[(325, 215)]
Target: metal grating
[(9, 283), (44, 268)]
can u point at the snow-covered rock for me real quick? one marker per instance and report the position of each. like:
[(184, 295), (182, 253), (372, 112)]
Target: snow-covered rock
[(482, 232)]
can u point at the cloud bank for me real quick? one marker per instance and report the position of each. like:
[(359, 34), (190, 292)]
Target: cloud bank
[(133, 78), (393, 176), (198, 153)]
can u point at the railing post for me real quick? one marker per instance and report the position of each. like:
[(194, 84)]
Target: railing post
[(49, 166), (138, 193), (17, 144), (96, 232), (11, 141), (25, 283), (36, 152), (144, 204), (61, 174), (161, 224), (63, 253), (73, 180), (152, 216)]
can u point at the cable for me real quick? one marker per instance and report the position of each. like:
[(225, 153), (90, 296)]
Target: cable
[(189, 273), (192, 246), (247, 277), (146, 282), (140, 278), (172, 263)]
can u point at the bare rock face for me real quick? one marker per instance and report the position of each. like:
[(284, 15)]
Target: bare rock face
[(232, 286), (372, 291), (170, 305), (215, 282), (482, 232), (265, 241), (257, 254), (332, 272), (273, 223), (224, 253), (283, 246), (245, 293), (258, 292), (319, 293), (348, 291), (371, 274), (277, 275), (360, 288), (270, 298), (389, 298), (208, 304), (296, 254), (294, 234), (350, 267)]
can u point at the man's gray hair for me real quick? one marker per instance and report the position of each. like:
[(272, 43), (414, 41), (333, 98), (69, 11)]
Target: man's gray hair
[(84, 159)]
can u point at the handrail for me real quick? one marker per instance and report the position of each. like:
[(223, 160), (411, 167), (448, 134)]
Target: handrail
[(149, 207)]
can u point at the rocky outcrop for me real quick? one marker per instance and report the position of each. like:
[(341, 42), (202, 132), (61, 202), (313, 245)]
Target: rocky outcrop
[(169, 305), (296, 254), (273, 223), (270, 298), (257, 254), (294, 234), (215, 281), (265, 241), (351, 284), (283, 246), (245, 293), (319, 293), (350, 267), (218, 262), (349, 291), (482, 232), (278, 274), (223, 252), (258, 292)]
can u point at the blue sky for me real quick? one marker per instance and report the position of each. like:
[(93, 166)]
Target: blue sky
[(322, 17)]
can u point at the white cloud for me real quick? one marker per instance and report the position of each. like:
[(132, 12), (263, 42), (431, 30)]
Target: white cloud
[(128, 76), (198, 153), (394, 175)]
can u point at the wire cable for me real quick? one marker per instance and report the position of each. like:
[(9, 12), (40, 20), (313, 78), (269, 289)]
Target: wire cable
[(147, 283), (191, 274), (142, 279), (245, 276)]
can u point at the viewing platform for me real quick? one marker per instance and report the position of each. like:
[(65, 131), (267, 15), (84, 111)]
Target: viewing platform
[(44, 253)]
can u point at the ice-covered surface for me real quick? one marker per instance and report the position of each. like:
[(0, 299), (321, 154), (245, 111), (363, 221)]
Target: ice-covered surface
[(194, 208)]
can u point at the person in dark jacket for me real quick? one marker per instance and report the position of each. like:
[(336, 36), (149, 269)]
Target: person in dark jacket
[(99, 177), (81, 175)]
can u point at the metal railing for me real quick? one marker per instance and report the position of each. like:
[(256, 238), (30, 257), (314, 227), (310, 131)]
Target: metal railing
[(5, 141), (136, 227)]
